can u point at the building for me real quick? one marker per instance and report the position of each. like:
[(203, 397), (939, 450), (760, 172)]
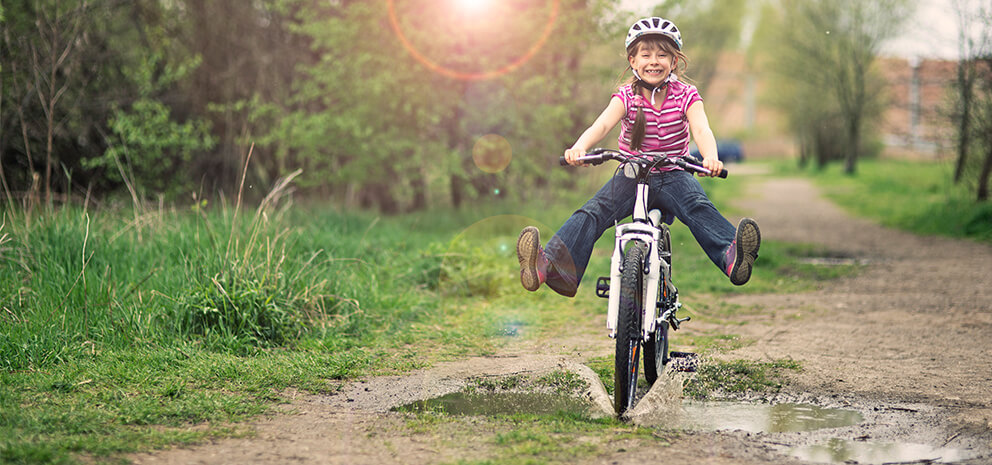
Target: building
[(916, 124)]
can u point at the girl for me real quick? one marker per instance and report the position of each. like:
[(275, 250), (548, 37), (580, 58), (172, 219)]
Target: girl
[(656, 112)]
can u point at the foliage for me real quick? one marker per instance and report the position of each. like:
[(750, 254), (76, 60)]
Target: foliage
[(387, 120), (67, 67), (151, 150), (823, 52), (356, 124)]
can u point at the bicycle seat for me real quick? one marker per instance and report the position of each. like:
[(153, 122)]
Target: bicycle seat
[(657, 215)]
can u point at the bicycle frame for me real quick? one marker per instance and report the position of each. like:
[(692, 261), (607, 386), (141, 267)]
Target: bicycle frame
[(643, 242), (644, 227)]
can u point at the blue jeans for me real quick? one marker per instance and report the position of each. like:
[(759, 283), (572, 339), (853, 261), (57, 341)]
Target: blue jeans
[(674, 192)]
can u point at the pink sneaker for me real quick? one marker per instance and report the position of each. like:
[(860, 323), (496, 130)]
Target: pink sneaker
[(533, 263), (743, 251)]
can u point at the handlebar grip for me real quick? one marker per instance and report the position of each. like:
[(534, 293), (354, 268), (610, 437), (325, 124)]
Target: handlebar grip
[(697, 168), (591, 158)]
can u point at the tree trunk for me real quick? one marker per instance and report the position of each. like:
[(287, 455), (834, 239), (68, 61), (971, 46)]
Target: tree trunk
[(965, 83), (983, 178), (804, 149), (822, 148), (419, 187), (457, 190), (854, 140)]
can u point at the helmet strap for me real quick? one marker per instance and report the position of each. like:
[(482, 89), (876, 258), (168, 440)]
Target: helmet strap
[(654, 89)]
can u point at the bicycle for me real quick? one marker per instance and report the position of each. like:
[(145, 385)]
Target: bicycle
[(642, 299)]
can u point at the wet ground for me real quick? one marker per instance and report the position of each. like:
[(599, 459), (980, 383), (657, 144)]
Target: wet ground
[(897, 368), (802, 430)]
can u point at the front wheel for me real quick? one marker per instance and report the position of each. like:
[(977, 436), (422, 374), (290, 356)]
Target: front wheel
[(629, 328)]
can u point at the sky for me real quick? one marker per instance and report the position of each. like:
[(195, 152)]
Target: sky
[(935, 17)]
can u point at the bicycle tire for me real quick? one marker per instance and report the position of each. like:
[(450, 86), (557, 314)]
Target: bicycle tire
[(656, 353), (628, 341), (656, 348)]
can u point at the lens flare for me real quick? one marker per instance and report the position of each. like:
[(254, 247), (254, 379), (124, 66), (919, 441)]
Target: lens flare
[(492, 153), (394, 22)]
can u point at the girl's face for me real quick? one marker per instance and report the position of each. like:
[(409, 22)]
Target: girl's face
[(652, 62)]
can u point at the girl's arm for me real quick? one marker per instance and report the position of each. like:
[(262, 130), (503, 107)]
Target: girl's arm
[(703, 135), (605, 123)]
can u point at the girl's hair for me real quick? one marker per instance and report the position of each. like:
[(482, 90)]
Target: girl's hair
[(681, 63)]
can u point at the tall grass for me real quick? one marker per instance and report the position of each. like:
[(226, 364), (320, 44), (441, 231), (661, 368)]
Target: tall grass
[(118, 329)]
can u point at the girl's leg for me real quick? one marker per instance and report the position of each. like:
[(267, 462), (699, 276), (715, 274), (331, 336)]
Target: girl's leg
[(680, 194), (567, 253)]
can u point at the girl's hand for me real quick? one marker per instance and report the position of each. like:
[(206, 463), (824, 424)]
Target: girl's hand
[(714, 165), (572, 155)]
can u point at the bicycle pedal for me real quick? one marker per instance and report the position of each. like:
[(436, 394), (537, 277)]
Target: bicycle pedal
[(676, 322), (603, 287), (685, 362)]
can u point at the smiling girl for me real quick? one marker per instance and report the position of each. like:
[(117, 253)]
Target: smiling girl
[(657, 113)]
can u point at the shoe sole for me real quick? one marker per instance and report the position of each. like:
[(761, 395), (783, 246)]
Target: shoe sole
[(748, 242), (528, 247)]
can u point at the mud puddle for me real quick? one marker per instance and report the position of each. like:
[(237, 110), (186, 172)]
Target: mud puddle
[(762, 418), (848, 451), (500, 403), (835, 429), (803, 429)]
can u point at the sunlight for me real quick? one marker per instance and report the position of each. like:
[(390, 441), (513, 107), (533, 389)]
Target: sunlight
[(471, 6)]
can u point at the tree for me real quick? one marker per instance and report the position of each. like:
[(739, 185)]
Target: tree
[(388, 108), (40, 45), (829, 47), (68, 67), (972, 101), (965, 83), (982, 125)]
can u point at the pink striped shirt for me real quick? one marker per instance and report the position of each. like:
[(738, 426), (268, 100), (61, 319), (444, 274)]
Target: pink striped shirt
[(666, 130)]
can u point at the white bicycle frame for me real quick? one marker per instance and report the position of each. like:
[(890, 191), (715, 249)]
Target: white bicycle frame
[(644, 228)]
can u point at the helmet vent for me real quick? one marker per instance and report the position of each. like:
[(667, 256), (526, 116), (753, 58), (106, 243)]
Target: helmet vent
[(653, 25)]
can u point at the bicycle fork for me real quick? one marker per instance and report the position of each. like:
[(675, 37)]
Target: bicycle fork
[(649, 235)]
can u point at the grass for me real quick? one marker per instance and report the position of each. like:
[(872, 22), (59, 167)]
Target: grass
[(736, 377), (131, 330), (914, 196), (116, 340), (527, 439)]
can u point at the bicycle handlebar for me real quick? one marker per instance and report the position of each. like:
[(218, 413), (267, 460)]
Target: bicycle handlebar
[(599, 156)]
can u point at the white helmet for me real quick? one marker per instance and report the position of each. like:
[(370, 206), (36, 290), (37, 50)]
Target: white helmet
[(653, 25)]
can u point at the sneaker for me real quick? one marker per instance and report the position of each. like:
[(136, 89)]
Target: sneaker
[(533, 263), (743, 251)]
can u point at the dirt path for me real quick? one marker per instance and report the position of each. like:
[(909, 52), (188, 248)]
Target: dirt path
[(909, 337), (914, 325)]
